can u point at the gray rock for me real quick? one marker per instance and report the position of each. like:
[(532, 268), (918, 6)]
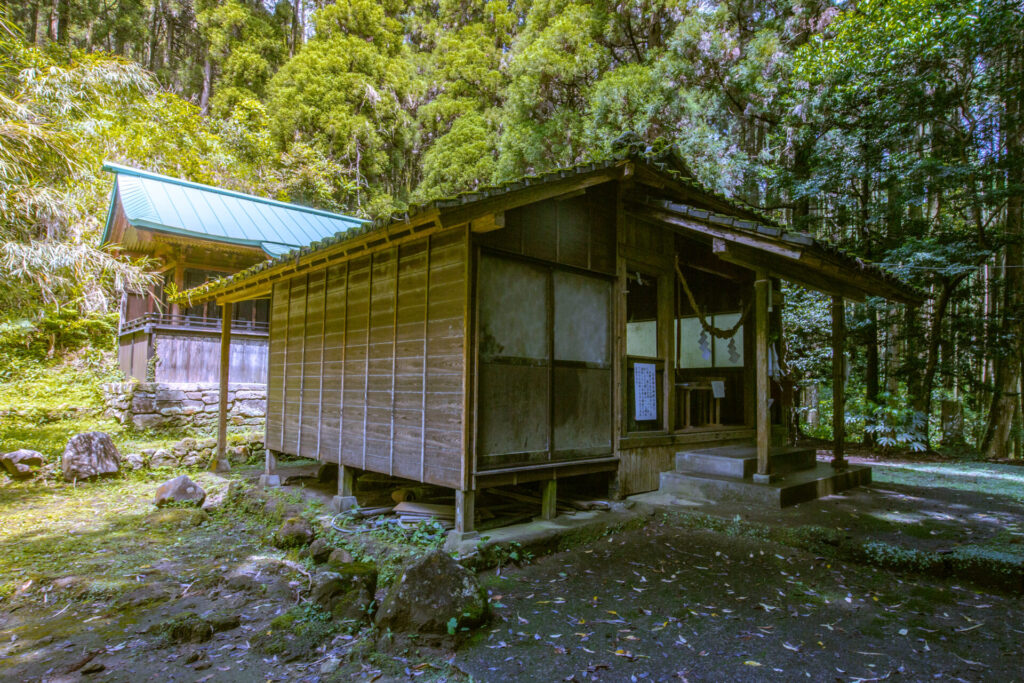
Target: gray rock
[(179, 490), (293, 532), (89, 455), (329, 666), (319, 551), (148, 420), (348, 592), (135, 461), (184, 446), (435, 597), (163, 458), (339, 556), (193, 459), (19, 463)]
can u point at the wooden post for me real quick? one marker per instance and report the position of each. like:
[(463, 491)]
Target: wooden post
[(548, 499), (220, 462), (761, 286), (179, 284), (838, 382), (346, 498), (465, 512)]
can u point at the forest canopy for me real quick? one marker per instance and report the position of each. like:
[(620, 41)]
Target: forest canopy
[(890, 127)]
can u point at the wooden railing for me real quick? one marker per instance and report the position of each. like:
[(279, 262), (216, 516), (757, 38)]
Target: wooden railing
[(191, 323)]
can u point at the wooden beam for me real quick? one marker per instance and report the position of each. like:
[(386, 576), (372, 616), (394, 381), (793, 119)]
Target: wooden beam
[(792, 271), (723, 233), (220, 461), (838, 382), (488, 223), (761, 287)]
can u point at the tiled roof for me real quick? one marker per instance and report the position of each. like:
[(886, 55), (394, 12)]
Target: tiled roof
[(666, 164)]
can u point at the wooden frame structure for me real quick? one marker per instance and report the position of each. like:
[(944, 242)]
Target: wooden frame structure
[(532, 332)]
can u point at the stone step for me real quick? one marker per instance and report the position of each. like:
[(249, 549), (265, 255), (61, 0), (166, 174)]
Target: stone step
[(796, 487), (740, 462)]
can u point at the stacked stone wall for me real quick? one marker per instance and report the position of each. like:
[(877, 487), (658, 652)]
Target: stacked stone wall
[(147, 405)]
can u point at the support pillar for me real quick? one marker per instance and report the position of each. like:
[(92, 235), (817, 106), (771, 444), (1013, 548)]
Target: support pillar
[(270, 477), (465, 513), (838, 382), (548, 499), (346, 498), (220, 461), (179, 284), (763, 389)]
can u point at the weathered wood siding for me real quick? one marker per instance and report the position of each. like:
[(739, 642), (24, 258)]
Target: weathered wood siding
[(188, 357), (195, 357), (367, 362)]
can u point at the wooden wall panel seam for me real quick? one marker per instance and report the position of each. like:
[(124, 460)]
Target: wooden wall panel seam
[(423, 383), (302, 365), (366, 370), (323, 342), (284, 377), (394, 354), (344, 354)]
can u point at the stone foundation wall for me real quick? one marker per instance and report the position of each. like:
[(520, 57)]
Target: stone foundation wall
[(154, 404)]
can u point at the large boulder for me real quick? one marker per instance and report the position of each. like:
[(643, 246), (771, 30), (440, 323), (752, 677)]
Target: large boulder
[(347, 592), (179, 490), (19, 463), (435, 597), (89, 455)]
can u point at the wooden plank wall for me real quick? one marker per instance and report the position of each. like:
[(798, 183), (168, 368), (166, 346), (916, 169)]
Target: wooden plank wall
[(196, 358), (367, 362)]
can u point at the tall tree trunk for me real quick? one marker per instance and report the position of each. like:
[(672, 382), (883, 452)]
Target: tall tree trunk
[(33, 26), (63, 21), (204, 98), (922, 398), (1008, 367)]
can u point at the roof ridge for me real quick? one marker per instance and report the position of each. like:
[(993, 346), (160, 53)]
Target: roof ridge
[(111, 167)]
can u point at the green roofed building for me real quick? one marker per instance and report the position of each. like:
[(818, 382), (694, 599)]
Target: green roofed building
[(193, 234)]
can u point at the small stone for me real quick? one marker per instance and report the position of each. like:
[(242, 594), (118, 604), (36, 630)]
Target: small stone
[(163, 458), (330, 666), (187, 627), (179, 490), (93, 667), (319, 551), (293, 532), (339, 556), (135, 461), (348, 592)]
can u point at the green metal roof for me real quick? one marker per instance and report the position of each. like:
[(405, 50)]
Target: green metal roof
[(157, 202)]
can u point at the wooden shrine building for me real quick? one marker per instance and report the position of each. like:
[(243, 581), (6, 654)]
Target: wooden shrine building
[(597, 319), (194, 233)]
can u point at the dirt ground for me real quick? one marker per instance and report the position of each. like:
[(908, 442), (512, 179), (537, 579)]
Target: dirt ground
[(671, 604), (88, 575)]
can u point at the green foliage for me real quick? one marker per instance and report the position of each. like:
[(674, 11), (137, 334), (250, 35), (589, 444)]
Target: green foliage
[(56, 331)]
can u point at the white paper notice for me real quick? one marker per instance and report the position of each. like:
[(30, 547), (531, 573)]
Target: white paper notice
[(718, 388), (645, 390)]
